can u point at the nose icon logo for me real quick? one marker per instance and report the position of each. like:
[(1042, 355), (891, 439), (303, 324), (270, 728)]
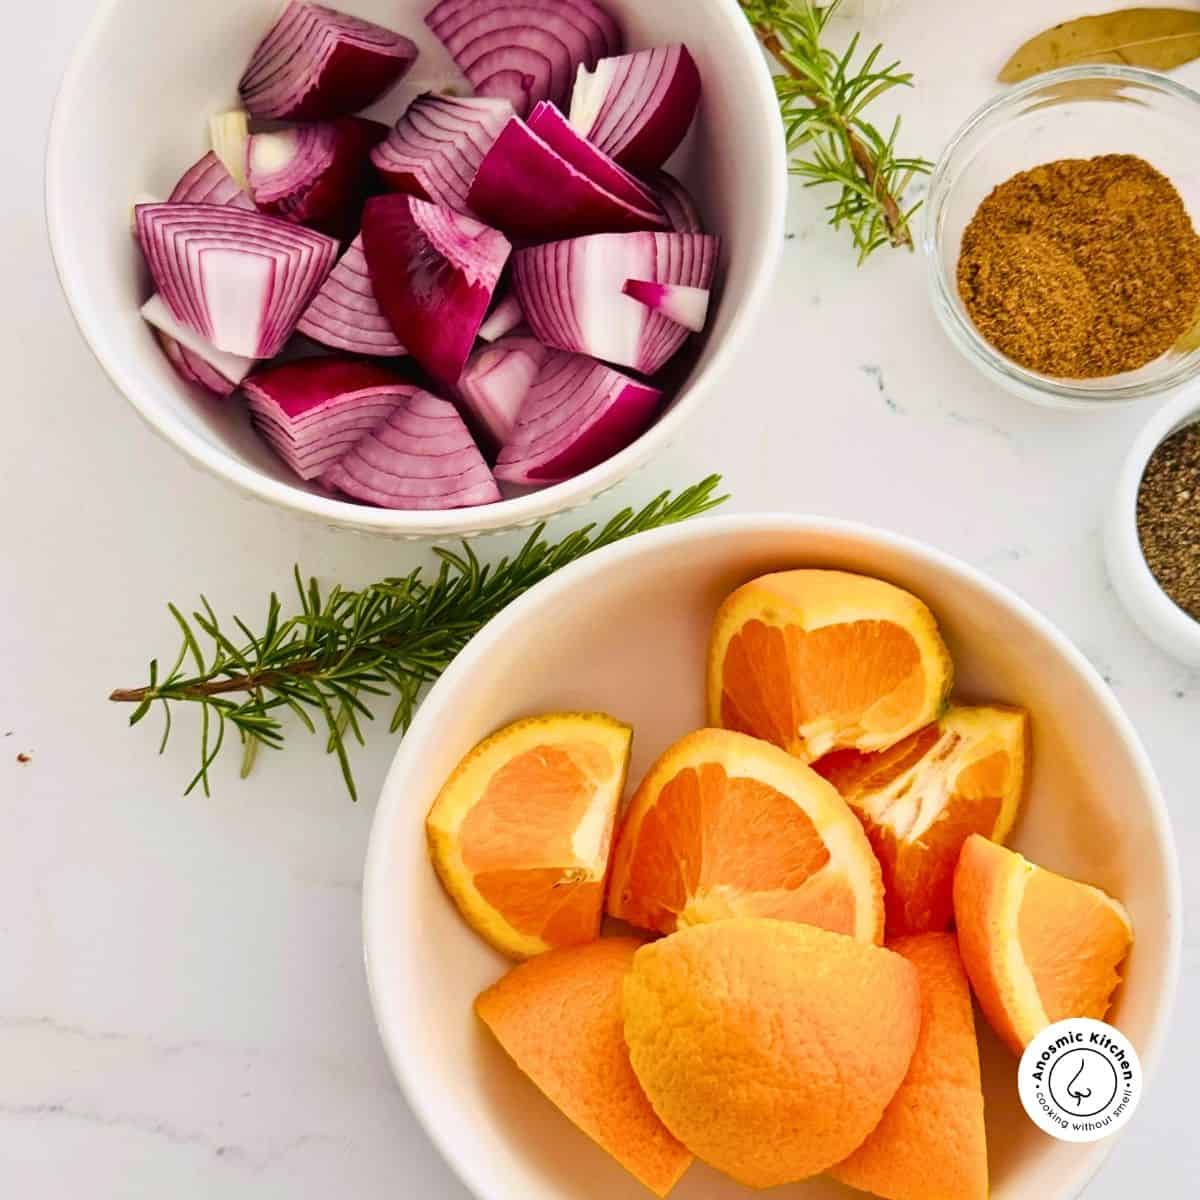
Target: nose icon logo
[(1077, 1094)]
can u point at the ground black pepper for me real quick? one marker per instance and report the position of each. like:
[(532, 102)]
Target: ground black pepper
[(1082, 268), (1168, 517)]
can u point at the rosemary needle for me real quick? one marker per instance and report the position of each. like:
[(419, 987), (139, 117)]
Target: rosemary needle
[(344, 649)]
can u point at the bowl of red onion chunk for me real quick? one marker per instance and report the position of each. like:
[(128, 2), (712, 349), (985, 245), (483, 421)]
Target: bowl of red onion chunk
[(417, 268)]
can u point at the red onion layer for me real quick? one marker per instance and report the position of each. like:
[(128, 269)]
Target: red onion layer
[(676, 201), (686, 306), (421, 457), (191, 368), (577, 414), (572, 293), (239, 279), (435, 149), (533, 194), (316, 175), (345, 315), (638, 107), (316, 63), (209, 182), (524, 51), (193, 351), (315, 410), (433, 272), (496, 381)]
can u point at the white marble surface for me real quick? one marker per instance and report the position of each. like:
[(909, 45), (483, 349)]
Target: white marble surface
[(182, 1007)]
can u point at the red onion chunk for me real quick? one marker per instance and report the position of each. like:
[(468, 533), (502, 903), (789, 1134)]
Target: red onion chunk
[(527, 50), (497, 380), (676, 201), (577, 414), (554, 129), (433, 271), (686, 306), (345, 315), (573, 293), (421, 457), (193, 369), (437, 146), (534, 194), (505, 316), (209, 182), (317, 175), (317, 63), (239, 279), (638, 107), (315, 410), (196, 360)]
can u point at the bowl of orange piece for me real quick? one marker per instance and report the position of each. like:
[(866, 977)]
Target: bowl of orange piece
[(752, 853)]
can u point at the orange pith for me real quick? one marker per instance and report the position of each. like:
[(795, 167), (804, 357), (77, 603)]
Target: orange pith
[(560, 1018), (922, 798), (815, 660), (726, 825), (1038, 947), (521, 831), (931, 1140)]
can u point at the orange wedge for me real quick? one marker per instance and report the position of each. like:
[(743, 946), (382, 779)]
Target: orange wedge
[(818, 660), (1038, 947), (520, 833), (560, 1018), (726, 825), (931, 1141), (922, 798), (770, 1049)]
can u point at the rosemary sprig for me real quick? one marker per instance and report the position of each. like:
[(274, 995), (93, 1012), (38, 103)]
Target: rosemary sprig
[(345, 649), (822, 96)]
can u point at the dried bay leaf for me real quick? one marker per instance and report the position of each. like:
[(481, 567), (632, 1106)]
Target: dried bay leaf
[(1157, 38)]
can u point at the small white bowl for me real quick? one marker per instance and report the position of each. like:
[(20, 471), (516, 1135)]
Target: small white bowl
[(132, 115), (1153, 611), (626, 631)]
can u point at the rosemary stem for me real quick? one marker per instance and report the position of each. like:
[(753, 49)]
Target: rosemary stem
[(898, 230)]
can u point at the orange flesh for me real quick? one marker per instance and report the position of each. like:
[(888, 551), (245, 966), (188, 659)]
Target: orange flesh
[(776, 679), (919, 874), (1061, 925), (712, 840), (517, 842)]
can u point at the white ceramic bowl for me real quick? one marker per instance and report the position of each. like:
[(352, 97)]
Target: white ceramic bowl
[(133, 113), (625, 631), (1154, 612)]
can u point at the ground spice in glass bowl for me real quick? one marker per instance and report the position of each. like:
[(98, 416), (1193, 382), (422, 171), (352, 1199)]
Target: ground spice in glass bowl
[(1082, 268), (1168, 517)]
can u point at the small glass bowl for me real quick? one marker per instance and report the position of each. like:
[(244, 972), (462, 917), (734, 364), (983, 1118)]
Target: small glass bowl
[(1078, 112)]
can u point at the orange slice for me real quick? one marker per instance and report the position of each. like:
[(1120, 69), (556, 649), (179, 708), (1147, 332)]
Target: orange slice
[(1038, 947), (559, 1017), (770, 1049), (726, 825), (520, 833), (817, 660), (933, 1129), (922, 798)]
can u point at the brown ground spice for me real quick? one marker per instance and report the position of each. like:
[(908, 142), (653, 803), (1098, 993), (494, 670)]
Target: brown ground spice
[(1168, 516), (1082, 268)]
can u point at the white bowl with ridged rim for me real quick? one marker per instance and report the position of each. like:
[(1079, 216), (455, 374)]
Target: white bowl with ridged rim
[(625, 631), (1152, 610), (132, 114)]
